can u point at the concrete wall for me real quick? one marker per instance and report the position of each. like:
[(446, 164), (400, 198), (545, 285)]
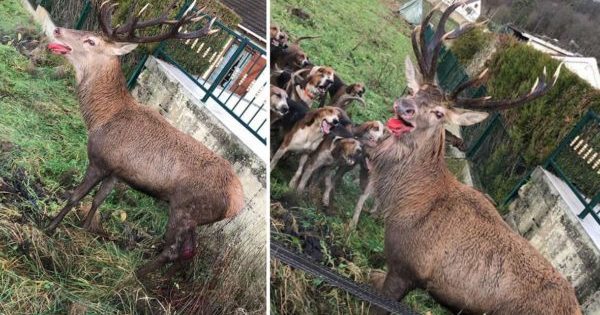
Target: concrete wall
[(247, 233), (541, 215)]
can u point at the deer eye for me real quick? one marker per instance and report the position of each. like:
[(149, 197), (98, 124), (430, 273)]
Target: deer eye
[(90, 42), (438, 114)]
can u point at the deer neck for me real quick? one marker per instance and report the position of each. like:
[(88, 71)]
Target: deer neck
[(102, 92), (410, 174)]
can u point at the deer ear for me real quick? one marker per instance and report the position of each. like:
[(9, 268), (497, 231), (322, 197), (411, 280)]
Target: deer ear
[(120, 49), (465, 117), (413, 77)]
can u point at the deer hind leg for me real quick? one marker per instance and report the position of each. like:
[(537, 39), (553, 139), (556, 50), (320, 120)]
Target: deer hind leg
[(105, 188), (179, 250), (92, 177)]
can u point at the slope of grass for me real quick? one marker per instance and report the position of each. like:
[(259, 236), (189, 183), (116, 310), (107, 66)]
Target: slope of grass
[(42, 158), (364, 41)]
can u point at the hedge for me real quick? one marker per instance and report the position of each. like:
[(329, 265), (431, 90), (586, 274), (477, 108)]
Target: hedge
[(535, 129)]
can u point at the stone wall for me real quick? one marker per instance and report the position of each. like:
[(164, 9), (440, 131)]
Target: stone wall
[(542, 216), (246, 235)]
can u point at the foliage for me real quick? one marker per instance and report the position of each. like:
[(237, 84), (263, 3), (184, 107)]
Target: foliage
[(572, 26), (534, 129), (469, 44)]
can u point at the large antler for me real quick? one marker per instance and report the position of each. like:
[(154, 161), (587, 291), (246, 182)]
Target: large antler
[(540, 87), (427, 53), (126, 32)]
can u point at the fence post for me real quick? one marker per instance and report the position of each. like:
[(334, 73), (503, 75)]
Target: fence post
[(569, 137), (84, 14), (226, 69), (589, 208)]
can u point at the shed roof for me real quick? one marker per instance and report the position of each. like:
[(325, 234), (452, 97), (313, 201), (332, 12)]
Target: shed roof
[(253, 14)]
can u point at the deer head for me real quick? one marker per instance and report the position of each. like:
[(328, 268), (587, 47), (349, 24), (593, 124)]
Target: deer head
[(87, 50), (423, 112)]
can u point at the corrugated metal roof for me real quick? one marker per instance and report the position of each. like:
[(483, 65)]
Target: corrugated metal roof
[(253, 14)]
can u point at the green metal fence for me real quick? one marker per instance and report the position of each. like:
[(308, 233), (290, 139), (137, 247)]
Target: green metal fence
[(229, 69), (576, 161)]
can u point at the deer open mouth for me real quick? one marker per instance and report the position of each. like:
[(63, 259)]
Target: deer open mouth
[(399, 126), (59, 48)]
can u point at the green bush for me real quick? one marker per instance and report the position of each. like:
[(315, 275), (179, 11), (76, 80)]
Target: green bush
[(469, 44), (536, 128)]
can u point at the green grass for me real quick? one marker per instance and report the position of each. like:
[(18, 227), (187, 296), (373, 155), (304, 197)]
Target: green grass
[(42, 158), (364, 41)]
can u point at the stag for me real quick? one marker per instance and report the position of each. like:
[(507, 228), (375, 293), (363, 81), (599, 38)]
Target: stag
[(134, 144), (444, 236)]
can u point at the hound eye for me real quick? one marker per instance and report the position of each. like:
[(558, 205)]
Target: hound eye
[(89, 41), (336, 122), (438, 114)]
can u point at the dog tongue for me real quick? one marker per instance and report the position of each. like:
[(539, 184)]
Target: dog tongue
[(58, 48), (397, 127)]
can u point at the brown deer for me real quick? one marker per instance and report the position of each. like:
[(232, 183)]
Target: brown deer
[(134, 144), (444, 236)]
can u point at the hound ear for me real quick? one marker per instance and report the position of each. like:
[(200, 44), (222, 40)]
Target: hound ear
[(413, 77), (465, 117)]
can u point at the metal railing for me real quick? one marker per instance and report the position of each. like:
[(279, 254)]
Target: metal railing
[(576, 160), (236, 78), (229, 69)]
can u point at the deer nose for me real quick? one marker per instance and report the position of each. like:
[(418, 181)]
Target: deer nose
[(405, 108)]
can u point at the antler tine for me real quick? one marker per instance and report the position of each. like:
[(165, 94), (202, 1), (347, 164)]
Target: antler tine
[(540, 87), (420, 58), (422, 47), (434, 48), (479, 80), (126, 32), (105, 19)]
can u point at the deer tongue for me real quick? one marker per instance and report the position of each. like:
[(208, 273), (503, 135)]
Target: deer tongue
[(58, 48), (397, 127)]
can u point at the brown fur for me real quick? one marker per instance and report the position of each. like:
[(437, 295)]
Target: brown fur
[(307, 133), (333, 151), (446, 237), (135, 144)]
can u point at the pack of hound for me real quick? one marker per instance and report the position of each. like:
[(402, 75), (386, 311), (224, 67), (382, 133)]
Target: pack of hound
[(308, 115)]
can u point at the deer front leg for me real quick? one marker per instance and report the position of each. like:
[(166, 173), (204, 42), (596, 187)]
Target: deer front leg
[(359, 205), (393, 286), (91, 178), (105, 188), (294, 181)]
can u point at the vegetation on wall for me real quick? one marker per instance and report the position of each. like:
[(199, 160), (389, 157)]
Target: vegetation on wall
[(535, 129), (469, 44)]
